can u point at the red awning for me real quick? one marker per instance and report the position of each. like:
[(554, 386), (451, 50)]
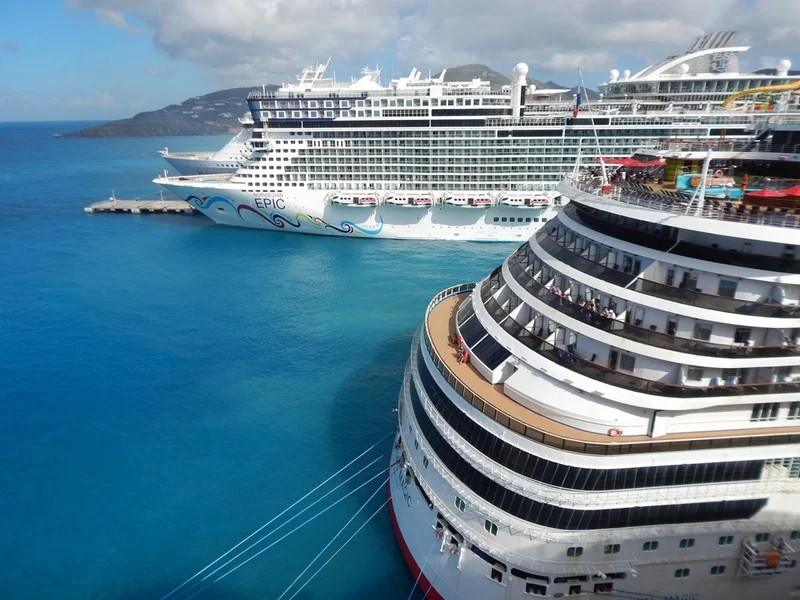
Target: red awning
[(792, 191), (629, 162), (765, 194)]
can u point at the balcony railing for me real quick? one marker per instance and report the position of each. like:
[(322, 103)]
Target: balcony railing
[(660, 290), (669, 203), (568, 358), (640, 334), (611, 447)]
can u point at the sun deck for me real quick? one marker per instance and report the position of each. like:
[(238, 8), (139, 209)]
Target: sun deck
[(492, 401), (662, 199)]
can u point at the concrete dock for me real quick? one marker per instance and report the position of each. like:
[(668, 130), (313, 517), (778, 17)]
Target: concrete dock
[(140, 206)]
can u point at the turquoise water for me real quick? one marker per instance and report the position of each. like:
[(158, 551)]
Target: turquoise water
[(168, 385)]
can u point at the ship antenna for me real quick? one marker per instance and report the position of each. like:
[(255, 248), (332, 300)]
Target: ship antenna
[(582, 86)]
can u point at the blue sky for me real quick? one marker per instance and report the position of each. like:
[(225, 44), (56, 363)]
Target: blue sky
[(105, 59), (57, 64)]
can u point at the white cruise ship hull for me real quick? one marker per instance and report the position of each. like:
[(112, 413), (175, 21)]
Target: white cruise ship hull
[(200, 166), (307, 211)]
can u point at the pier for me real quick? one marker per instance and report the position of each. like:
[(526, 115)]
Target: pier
[(140, 206)]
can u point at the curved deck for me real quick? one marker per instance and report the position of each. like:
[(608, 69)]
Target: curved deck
[(492, 401)]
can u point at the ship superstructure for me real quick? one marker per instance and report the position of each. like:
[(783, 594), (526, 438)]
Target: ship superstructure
[(432, 159), (228, 159), (615, 410)]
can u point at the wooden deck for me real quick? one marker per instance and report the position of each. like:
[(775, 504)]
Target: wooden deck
[(441, 325), (140, 206)]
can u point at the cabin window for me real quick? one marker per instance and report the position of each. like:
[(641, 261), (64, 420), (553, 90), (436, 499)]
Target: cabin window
[(765, 412), (490, 527), (460, 504), (702, 331), (682, 573), (627, 362), (611, 549), (650, 546), (575, 551), (535, 589), (727, 288), (762, 537), (695, 374), (718, 570), (687, 543), (725, 540)]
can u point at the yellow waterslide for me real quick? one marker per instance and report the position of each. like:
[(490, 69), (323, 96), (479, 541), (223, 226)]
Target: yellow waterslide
[(786, 87)]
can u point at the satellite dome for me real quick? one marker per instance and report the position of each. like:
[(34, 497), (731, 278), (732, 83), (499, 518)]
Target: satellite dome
[(613, 75), (784, 66), (683, 68), (626, 74), (521, 70)]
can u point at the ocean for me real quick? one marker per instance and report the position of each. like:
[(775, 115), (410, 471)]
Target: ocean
[(168, 386)]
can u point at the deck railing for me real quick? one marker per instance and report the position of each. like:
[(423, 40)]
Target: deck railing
[(613, 446), (669, 203), (639, 334), (660, 290)]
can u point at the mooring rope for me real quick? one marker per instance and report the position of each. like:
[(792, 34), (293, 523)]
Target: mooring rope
[(333, 539), (340, 548), (283, 537), (215, 561), (416, 581)]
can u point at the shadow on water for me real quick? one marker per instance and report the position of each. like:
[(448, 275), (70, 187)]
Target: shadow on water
[(354, 424)]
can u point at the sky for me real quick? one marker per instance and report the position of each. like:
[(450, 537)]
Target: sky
[(108, 59)]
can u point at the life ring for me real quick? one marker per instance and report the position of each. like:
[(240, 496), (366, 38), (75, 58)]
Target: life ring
[(614, 432), (718, 173)]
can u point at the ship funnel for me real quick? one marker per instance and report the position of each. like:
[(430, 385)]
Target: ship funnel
[(519, 83)]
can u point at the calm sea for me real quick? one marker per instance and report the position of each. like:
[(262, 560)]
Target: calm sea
[(167, 386)]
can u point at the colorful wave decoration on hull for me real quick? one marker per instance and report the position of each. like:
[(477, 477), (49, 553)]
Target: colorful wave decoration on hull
[(282, 221)]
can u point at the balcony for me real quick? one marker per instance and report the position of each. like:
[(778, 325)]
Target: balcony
[(491, 401), (677, 204), (638, 334), (659, 290)]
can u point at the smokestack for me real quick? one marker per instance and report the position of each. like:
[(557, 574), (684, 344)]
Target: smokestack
[(519, 83)]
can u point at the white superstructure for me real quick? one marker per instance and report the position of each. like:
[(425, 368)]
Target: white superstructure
[(231, 157), (626, 419), (336, 158)]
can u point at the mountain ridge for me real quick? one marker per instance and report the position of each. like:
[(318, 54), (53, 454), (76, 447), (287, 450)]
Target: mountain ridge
[(218, 112)]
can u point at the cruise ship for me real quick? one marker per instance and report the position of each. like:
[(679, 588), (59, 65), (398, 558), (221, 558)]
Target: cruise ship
[(615, 410), (231, 157), (432, 159)]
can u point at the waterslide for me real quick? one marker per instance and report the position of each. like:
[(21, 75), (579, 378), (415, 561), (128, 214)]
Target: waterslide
[(787, 87)]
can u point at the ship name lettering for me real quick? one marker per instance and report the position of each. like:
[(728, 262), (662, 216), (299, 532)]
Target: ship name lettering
[(683, 597), (270, 202)]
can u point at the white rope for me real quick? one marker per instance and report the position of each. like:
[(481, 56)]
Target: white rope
[(209, 565), (306, 522), (339, 549), (333, 539), (416, 581), (278, 528)]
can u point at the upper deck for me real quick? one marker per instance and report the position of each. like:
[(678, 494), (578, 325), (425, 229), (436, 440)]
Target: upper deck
[(491, 400)]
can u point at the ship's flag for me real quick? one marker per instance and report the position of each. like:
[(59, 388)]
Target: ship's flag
[(577, 104)]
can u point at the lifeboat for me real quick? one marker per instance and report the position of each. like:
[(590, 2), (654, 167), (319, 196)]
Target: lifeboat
[(469, 201), (354, 200), (410, 201), (535, 201)]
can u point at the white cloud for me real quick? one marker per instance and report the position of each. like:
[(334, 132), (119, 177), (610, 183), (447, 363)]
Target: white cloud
[(247, 41), (97, 99), (113, 17)]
